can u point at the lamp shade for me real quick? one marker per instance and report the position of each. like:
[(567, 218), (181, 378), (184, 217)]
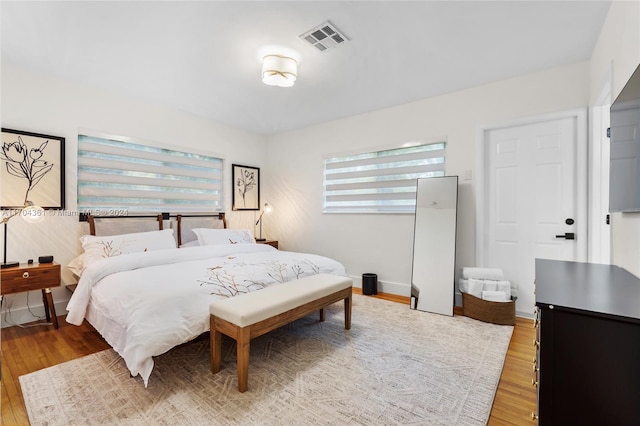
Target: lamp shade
[(279, 70), (32, 214)]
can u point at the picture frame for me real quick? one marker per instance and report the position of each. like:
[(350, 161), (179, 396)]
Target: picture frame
[(246, 187), (32, 169)]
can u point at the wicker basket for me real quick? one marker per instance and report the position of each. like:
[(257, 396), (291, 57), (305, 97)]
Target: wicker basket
[(503, 313)]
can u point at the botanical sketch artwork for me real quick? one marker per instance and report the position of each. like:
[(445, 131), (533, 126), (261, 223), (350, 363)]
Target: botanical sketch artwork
[(246, 187), (32, 169), (245, 183)]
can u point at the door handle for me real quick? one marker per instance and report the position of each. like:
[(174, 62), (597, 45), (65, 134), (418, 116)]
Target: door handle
[(567, 235)]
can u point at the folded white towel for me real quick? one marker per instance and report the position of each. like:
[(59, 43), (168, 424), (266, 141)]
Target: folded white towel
[(490, 285), (511, 290), (494, 296), (505, 287), (483, 273), (476, 287), (463, 285)]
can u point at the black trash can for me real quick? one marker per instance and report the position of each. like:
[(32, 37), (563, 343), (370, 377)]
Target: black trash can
[(369, 284)]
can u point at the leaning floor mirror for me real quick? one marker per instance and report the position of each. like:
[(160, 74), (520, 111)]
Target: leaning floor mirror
[(434, 245)]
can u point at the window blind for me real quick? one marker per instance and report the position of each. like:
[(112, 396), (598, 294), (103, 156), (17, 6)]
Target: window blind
[(131, 177), (381, 181)]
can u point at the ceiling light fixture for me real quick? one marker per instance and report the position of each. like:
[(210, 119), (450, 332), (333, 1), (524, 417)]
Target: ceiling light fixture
[(278, 70)]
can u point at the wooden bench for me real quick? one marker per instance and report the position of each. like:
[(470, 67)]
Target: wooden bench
[(253, 314)]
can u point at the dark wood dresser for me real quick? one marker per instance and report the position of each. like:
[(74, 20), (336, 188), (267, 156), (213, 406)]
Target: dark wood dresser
[(587, 363)]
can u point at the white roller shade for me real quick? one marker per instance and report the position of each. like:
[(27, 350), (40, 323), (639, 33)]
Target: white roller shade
[(126, 176), (381, 181)]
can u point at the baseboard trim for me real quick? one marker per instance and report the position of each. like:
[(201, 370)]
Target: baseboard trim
[(386, 296), (23, 315)]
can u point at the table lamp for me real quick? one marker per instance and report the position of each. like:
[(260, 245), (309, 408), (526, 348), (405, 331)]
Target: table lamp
[(267, 209), (30, 214)]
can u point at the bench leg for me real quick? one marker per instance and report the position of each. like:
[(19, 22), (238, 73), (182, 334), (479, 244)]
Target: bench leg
[(216, 349), (242, 342), (347, 313), (322, 317)]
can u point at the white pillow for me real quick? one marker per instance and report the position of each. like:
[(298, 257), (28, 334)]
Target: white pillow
[(77, 265), (210, 237), (99, 247)]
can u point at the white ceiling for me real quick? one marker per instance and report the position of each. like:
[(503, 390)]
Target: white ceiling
[(203, 57)]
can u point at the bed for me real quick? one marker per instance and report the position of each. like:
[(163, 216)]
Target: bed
[(147, 287)]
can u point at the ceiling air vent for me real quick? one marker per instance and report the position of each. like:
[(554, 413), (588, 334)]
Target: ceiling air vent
[(325, 36)]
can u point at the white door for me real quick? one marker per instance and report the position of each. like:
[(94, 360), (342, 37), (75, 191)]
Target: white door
[(532, 208)]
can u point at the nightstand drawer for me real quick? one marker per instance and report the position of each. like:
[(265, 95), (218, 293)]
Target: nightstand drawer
[(29, 277)]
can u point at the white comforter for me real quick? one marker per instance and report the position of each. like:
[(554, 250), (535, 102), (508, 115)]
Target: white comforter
[(161, 298)]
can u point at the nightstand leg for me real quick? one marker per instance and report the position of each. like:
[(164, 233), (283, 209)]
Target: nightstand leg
[(49, 308), (45, 302)]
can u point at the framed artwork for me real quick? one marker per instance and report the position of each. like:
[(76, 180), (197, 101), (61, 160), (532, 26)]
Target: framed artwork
[(246, 187), (32, 170)]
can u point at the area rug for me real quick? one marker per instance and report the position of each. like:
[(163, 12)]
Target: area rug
[(395, 366)]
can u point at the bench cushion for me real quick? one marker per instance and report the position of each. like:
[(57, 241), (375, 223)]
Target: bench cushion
[(249, 308)]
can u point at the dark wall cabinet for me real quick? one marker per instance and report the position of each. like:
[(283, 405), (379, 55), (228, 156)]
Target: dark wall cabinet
[(588, 344)]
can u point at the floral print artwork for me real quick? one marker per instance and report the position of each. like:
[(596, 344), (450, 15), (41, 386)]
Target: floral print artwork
[(245, 183), (25, 162)]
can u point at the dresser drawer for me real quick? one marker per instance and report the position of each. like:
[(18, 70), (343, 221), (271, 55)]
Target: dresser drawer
[(29, 278)]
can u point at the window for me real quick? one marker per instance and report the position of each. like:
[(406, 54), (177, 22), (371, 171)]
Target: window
[(382, 181), (130, 177)]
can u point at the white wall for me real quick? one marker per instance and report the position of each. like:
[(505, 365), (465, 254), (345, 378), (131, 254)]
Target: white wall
[(44, 104), (383, 244), (618, 49)]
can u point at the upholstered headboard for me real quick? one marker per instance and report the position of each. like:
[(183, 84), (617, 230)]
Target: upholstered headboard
[(182, 225), (186, 223), (117, 225)]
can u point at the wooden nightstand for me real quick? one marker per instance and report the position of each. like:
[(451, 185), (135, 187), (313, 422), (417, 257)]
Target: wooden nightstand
[(38, 276), (272, 243)]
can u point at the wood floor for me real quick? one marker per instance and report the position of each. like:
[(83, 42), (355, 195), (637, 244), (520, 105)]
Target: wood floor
[(25, 350)]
